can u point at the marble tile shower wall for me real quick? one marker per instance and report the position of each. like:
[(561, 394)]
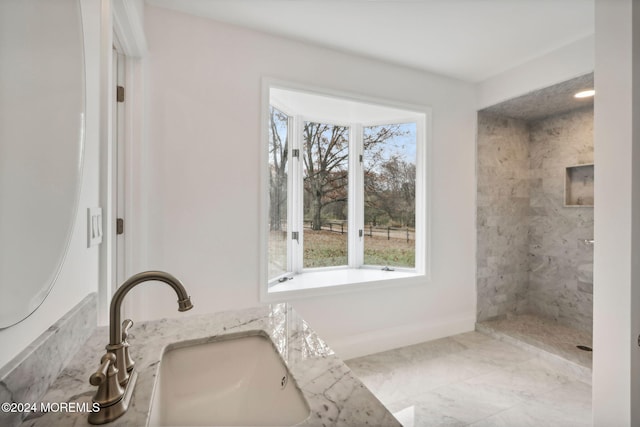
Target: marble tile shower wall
[(503, 206), (529, 244), (557, 233)]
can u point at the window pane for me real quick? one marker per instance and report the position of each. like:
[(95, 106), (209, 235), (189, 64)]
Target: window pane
[(326, 168), (389, 193), (278, 172)]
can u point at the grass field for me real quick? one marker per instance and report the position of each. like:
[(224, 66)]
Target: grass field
[(325, 248)]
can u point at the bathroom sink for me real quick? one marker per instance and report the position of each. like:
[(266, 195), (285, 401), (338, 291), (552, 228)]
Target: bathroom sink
[(233, 381)]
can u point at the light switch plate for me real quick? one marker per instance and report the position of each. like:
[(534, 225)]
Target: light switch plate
[(94, 226)]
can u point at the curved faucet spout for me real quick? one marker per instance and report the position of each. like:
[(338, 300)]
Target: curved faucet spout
[(115, 329), (117, 376)]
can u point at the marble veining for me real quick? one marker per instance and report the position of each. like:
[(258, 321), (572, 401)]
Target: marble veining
[(27, 377), (503, 206), (557, 234), (474, 379), (334, 394), (547, 339), (533, 253)]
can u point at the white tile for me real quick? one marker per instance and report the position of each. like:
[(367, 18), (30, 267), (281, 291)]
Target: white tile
[(388, 360), (523, 380), (472, 339), (473, 379), (411, 415), (568, 406), (461, 401), (485, 360), (416, 378)]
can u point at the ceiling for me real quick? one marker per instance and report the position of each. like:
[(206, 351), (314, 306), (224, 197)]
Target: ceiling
[(333, 109), (552, 100), (469, 40)]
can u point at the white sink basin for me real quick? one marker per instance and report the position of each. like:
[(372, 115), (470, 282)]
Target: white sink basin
[(239, 381)]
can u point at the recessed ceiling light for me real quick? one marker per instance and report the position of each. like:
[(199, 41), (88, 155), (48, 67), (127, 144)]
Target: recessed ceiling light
[(585, 93)]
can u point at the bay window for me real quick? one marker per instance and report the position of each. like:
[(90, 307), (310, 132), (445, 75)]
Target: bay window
[(346, 197)]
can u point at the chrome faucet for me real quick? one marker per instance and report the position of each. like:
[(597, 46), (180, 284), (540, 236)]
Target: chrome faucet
[(116, 376)]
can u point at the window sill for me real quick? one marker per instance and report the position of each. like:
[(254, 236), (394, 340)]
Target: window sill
[(326, 282)]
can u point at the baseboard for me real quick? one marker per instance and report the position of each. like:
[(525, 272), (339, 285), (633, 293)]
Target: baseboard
[(370, 342)]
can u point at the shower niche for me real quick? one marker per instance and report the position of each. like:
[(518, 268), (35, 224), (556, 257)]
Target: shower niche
[(578, 188)]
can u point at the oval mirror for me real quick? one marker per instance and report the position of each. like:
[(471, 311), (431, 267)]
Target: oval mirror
[(41, 146)]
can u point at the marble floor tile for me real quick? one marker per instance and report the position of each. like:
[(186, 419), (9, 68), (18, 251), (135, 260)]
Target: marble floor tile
[(414, 378), (474, 379), (546, 334), (425, 416), (494, 354), (390, 360), (472, 339), (524, 380), (547, 339), (568, 406), (456, 403)]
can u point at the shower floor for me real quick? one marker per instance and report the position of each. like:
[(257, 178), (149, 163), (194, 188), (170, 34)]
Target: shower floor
[(546, 338)]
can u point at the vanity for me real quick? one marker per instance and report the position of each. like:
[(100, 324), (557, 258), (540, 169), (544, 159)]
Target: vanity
[(332, 395)]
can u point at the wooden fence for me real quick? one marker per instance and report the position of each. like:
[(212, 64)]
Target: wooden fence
[(370, 231)]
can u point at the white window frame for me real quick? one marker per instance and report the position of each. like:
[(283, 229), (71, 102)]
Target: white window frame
[(295, 183), (355, 276)]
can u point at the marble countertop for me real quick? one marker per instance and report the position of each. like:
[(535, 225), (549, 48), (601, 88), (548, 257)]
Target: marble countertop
[(335, 396)]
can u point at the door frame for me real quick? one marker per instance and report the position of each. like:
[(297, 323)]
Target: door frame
[(120, 148)]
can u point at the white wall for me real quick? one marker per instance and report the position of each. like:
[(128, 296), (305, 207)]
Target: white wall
[(567, 62), (203, 161), (616, 356), (79, 274)]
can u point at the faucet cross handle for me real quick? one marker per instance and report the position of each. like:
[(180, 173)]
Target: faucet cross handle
[(109, 390), (128, 361), (126, 325)]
